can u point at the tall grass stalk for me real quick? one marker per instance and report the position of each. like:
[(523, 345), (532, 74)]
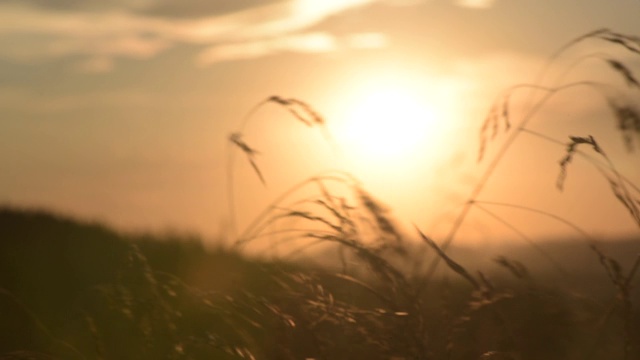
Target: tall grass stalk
[(630, 43), (299, 109), (360, 226)]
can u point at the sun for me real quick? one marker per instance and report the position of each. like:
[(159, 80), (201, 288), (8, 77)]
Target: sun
[(402, 131), (391, 126), (395, 135), (387, 123)]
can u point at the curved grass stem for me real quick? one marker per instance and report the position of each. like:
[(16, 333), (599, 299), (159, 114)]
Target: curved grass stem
[(340, 177), (299, 110), (501, 152), (530, 110), (231, 202), (575, 227), (524, 236)]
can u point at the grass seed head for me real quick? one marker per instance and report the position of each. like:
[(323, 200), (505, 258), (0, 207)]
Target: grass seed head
[(571, 149), (623, 70)]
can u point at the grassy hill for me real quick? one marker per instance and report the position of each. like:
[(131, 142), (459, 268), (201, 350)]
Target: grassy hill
[(70, 289), (74, 290)]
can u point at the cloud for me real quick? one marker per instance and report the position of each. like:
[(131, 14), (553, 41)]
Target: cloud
[(368, 40), (402, 2), (36, 102), (96, 65), (476, 4), (315, 42), (198, 8), (35, 33), (161, 8), (134, 46)]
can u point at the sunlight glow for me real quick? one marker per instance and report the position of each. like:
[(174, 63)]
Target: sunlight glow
[(388, 124), (398, 129), (323, 7)]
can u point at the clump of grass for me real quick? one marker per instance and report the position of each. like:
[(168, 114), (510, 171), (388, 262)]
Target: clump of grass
[(299, 109), (571, 150), (617, 183), (17, 306), (361, 226), (622, 283), (624, 111), (373, 305)]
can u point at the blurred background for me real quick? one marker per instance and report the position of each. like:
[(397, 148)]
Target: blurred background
[(121, 111)]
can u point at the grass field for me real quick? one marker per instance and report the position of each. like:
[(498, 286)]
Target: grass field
[(356, 287), (73, 290)]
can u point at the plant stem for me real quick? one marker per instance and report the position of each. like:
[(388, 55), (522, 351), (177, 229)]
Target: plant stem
[(502, 151)]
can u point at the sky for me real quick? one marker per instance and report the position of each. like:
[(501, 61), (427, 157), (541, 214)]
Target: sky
[(121, 111)]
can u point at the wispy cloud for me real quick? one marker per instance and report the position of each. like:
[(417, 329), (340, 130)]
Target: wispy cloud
[(307, 43), (370, 40), (477, 4), (33, 33), (35, 102), (315, 42), (99, 64)]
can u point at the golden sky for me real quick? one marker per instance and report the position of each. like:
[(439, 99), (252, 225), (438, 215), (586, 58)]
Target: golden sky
[(120, 111)]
